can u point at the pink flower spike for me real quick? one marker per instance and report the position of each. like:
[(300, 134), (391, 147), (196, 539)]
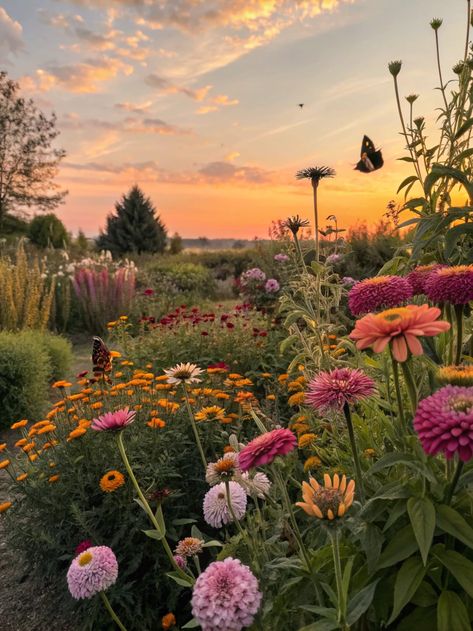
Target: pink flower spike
[(113, 421)]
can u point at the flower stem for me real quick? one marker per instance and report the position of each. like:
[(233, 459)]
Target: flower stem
[(242, 532), (112, 613), (397, 388), (194, 429), (459, 318), (454, 482), (338, 577), (354, 449), (147, 507), (411, 386)]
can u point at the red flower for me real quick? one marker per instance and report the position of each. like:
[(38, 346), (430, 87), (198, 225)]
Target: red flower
[(148, 292)]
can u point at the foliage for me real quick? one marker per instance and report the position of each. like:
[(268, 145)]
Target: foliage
[(59, 351), (29, 163), (178, 278), (13, 226), (47, 231), (175, 244), (134, 228)]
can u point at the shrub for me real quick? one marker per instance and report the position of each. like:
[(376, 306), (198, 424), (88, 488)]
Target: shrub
[(48, 231), (181, 278), (60, 354)]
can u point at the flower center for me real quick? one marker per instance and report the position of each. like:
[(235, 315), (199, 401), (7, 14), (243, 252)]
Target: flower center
[(182, 374), (328, 499), (225, 465), (462, 404), (85, 558)]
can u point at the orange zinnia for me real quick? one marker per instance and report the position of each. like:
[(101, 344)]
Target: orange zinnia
[(329, 501), (399, 327)]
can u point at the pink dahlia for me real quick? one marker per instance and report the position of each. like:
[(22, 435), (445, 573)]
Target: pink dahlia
[(265, 448), (93, 571), (114, 420), (83, 546), (444, 422), (216, 511), (419, 276), (381, 291), (451, 284), (337, 387), (226, 596)]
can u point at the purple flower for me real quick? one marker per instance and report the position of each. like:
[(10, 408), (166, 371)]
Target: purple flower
[(348, 281), (444, 422), (216, 511), (419, 276), (181, 561), (271, 286), (226, 596), (281, 257), (253, 274), (333, 259), (335, 388), (113, 420), (381, 291), (451, 284), (265, 448), (93, 571)]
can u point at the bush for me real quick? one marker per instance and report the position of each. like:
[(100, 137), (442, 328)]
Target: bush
[(181, 278), (60, 354), (48, 231)]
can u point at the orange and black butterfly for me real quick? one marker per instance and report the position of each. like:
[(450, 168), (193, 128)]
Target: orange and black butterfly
[(101, 359)]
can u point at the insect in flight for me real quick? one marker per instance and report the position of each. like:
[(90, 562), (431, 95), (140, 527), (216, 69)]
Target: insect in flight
[(370, 158), (101, 359), (301, 105)]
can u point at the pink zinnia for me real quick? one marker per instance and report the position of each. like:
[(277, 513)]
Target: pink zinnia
[(372, 294), (226, 596), (337, 387), (93, 571), (451, 284), (265, 448), (114, 420), (83, 546), (444, 422), (419, 276)]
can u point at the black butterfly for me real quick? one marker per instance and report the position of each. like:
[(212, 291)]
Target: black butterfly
[(101, 359), (371, 160)]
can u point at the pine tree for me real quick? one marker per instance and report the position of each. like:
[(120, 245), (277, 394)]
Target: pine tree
[(134, 227)]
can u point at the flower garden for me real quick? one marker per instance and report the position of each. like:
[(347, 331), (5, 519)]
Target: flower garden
[(298, 456)]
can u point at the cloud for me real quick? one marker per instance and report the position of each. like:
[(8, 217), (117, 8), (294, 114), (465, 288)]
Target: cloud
[(11, 36), (214, 104), (131, 124), (168, 87), (135, 108)]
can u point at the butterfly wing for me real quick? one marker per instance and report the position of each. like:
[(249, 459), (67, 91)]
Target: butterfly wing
[(367, 146), (101, 358), (377, 159), (361, 166)]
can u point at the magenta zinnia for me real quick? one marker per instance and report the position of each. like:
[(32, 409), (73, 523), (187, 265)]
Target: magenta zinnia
[(372, 294), (265, 448), (93, 571), (444, 422), (419, 276), (337, 387), (226, 596), (113, 420), (451, 284)]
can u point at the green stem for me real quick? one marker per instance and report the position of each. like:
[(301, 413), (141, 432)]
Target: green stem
[(356, 460), (147, 507), (459, 318), (316, 217), (397, 388), (194, 429), (299, 251), (112, 613), (411, 386), (448, 310), (451, 489), (414, 158), (338, 577)]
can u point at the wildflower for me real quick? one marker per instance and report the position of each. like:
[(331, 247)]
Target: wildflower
[(329, 501), (183, 373), (61, 384), (53, 478), (156, 423), (348, 281), (381, 291), (224, 469), (216, 511), (19, 424), (265, 448), (399, 327), (189, 547), (97, 405), (5, 506), (298, 398), (281, 257), (111, 421), (76, 433), (312, 463), (294, 224), (394, 67), (83, 546), (256, 485), (181, 562), (93, 571), (50, 427), (4, 464), (444, 422), (271, 286), (111, 481), (21, 477), (148, 292), (338, 387), (419, 276), (168, 621), (253, 274), (456, 375), (226, 596), (212, 413), (451, 284), (333, 259), (306, 440), (3, 446)]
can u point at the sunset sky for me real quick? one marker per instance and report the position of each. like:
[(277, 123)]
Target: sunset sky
[(196, 101)]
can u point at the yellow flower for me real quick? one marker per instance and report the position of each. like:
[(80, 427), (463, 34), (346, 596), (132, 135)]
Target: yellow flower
[(123, 318), (298, 398), (312, 463), (19, 424), (32, 457), (329, 501), (211, 413), (235, 375), (5, 506), (266, 375), (111, 481), (76, 433), (369, 453), (4, 464), (28, 447), (110, 325), (222, 395), (156, 423), (306, 440), (53, 478), (295, 386)]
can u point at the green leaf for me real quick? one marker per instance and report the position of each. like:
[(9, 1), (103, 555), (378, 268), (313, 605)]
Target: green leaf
[(467, 153), (454, 234), (425, 596), (399, 548), (183, 521), (408, 579), (213, 544), (421, 619), (459, 566), (347, 576), (408, 180), (154, 534), (180, 580), (192, 624), (451, 613), (321, 625), (422, 515), (464, 128), (360, 602), (449, 520), (439, 171)]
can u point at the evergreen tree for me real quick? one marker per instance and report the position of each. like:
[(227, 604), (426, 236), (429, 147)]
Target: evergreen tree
[(175, 244), (134, 227)]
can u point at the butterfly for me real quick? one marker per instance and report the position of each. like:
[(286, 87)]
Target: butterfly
[(371, 159), (301, 105), (101, 359)]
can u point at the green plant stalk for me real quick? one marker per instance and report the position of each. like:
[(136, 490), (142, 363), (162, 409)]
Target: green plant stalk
[(453, 484), (112, 613), (411, 386), (448, 313), (242, 532), (397, 388), (194, 429), (299, 250), (442, 86), (342, 606), (354, 449), (415, 161), (147, 507), (459, 318), (315, 185)]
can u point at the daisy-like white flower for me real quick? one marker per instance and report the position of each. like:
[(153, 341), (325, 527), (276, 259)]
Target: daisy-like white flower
[(183, 373), (224, 469), (256, 485)]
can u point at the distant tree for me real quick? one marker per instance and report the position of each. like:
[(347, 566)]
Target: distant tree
[(14, 226), (175, 244), (134, 228), (238, 245), (204, 242), (28, 162), (81, 243), (48, 231)]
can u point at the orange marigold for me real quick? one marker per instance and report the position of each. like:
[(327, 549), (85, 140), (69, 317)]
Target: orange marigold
[(156, 423), (5, 506), (19, 424), (53, 478), (4, 464), (168, 621), (112, 481)]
